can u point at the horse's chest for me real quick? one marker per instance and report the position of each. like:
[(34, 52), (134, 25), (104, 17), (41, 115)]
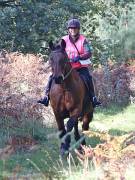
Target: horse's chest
[(61, 100), (68, 100)]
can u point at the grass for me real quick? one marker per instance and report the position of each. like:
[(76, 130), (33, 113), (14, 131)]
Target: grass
[(40, 161), (116, 120), (45, 162)]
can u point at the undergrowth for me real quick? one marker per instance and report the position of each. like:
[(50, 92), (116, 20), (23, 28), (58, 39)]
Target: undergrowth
[(44, 161)]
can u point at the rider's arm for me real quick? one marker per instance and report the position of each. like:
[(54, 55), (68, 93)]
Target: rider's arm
[(87, 51)]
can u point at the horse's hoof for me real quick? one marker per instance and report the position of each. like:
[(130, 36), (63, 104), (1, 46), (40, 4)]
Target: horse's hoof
[(64, 150)]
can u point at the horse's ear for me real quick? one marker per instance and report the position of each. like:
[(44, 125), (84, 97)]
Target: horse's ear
[(51, 45), (63, 44)]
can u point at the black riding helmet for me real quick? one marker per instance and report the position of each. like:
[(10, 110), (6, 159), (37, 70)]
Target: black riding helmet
[(73, 23)]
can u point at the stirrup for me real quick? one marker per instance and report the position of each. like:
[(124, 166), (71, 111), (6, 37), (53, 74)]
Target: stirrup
[(44, 101), (96, 103)]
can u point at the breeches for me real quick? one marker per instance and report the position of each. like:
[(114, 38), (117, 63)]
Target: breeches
[(84, 73)]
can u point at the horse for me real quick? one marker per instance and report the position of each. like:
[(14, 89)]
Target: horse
[(68, 96)]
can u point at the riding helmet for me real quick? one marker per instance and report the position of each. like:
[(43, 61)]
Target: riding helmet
[(73, 23)]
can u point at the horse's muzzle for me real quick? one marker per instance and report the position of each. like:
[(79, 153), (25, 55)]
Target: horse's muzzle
[(59, 79)]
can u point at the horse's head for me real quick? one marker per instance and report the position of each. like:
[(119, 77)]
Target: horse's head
[(59, 61)]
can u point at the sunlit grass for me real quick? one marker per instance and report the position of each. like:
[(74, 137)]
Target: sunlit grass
[(114, 118)]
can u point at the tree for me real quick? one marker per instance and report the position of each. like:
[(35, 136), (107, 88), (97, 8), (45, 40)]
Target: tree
[(29, 26), (109, 25)]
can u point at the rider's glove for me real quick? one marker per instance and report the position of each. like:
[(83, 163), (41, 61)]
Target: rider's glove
[(76, 59)]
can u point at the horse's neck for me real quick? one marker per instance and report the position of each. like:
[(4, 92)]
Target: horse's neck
[(70, 80)]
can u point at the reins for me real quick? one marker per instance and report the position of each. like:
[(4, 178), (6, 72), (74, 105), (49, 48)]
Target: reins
[(64, 77)]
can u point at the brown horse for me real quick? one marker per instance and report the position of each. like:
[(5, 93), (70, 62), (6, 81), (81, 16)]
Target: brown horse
[(68, 96)]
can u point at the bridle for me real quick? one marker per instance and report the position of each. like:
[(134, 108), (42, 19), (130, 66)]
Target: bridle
[(69, 72)]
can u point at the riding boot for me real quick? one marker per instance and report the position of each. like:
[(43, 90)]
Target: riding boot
[(93, 98), (45, 100)]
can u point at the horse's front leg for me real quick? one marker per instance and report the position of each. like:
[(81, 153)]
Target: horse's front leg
[(87, 118), (76, 131), (69, 126), (62, 131)]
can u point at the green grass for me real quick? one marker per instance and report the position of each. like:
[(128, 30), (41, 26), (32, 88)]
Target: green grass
[(40, 161), (45, 162), (115, 120)]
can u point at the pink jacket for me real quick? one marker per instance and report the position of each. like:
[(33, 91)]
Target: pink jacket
[(72, 51)]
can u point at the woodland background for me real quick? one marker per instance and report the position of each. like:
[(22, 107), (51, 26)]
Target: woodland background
[(28, 128)]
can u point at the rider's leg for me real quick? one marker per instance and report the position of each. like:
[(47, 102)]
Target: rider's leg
[(93, 97), (45, 100), (85, 72)]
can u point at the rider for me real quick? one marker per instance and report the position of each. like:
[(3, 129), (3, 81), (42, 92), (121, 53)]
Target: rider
[(79, 51)]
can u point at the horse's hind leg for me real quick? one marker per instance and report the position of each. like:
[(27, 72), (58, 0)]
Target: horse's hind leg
[(85, 126), (86, 120)]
